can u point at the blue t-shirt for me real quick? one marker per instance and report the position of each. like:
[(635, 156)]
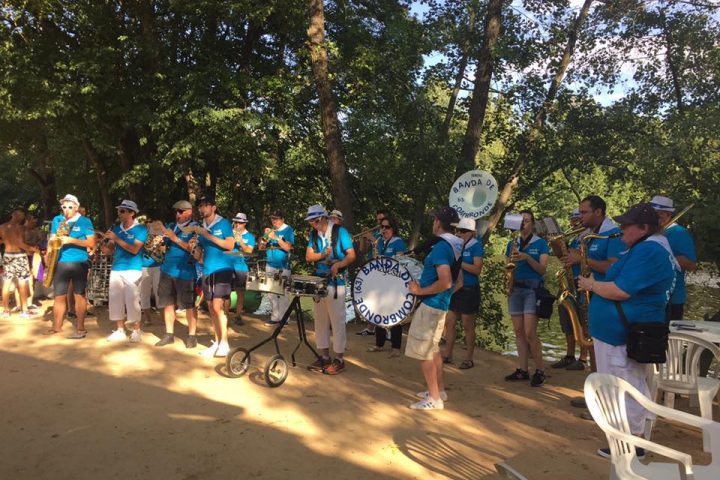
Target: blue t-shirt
[(214, 257), (123, 259), (536, 247), (682, 245), (440, 254), (239, 262), (647, 274), (344, 243), (473, 250), (178, 263), (82, 229), (377, 236), (277, 257), (604, 248), (395, 245)]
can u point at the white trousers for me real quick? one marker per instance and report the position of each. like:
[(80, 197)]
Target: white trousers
[(613, 360), (330, 315), (124, 295), (149, 284), (280, 303)]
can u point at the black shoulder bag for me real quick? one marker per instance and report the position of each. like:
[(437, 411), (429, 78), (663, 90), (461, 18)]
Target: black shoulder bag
[(646, 342)]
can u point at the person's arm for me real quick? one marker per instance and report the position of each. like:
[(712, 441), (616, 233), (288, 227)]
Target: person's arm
[(443, 282), (312, 256), (475, 268), (348, 260), (459, 283), (539, 266), (282, 243), (174, 238), (133, 248), (226, 243), (606, 290), (686, 264)]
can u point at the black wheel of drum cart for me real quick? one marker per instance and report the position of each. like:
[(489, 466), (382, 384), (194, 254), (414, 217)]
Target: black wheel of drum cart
[(237, 362), (276, 371)]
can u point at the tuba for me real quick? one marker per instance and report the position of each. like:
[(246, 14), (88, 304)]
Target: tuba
[(55, 244)]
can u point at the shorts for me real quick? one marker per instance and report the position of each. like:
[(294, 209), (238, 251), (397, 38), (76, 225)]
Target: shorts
[(522, 300), (424, 333), (16, 267), (675, 311), (240, 280), (218, 285), (466, 300), (175, 291), (65, 272), (565, 323)]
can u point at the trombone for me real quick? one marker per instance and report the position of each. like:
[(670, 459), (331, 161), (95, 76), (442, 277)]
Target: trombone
[(366, 231)]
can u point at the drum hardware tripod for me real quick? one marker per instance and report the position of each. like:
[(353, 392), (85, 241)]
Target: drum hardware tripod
[(276, 367)]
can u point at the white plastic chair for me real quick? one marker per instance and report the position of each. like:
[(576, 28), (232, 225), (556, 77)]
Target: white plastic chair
[(605, 396), (681, 373)]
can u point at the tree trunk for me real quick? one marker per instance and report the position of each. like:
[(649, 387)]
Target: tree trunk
[(481, 91), (339, 180), (101, 174), (44, 174), (527, 142)]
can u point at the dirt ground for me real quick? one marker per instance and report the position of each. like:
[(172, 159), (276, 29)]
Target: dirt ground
[(99, 410)]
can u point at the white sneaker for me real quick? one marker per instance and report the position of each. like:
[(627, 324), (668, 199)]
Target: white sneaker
[(222, 350), (426, 394), (129, 323), (117, 335), (428, 404), (210, 351), (136, 336)]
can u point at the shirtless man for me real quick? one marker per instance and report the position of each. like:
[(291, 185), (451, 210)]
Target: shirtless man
[(15, 262)]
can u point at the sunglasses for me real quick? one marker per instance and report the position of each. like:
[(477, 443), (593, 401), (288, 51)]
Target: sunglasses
[(122, 210), (462, 230), (385, 227), (68, 207), (315, 221), (179, 211)]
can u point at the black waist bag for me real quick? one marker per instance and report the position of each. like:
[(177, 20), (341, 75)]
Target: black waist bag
[(543, 302), (646, 342)]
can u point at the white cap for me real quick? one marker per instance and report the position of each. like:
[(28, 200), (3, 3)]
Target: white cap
[(128, 205), (465, 224), (663, 204), (315, 211), (70, 198), (240, 218), (336, 213)]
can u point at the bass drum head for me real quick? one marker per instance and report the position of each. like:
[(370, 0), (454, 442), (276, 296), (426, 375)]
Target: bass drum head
[(381, 292)]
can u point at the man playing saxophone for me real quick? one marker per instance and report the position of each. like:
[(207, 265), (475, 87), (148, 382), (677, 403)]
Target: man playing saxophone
[(72, 264)]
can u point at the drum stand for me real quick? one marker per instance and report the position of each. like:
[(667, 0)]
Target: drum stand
[(276, 368)]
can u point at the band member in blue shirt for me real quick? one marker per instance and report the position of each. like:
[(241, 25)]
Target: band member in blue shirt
[(280, 240), (389, 245), (530, 255), (641, 281), (244, 243), (73, 264), (683, 248), (330, 247), (436, 286), (124, 292), (215, 238), (177, 275), (465, 303)]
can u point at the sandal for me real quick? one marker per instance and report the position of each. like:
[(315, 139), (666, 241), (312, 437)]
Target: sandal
[(466, 364), (375, 348), (52, 331), (78, 335), (447, 360), (394, 353)]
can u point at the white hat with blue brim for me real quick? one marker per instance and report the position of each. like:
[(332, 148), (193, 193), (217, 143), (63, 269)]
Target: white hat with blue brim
[(663, 204), (315, 211)]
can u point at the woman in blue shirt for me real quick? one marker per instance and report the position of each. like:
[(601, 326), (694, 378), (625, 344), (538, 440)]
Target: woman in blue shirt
[(530, 255), (389, 245), (641, 282)]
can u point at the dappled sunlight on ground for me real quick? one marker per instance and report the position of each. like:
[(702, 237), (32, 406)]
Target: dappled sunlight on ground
[(138, 410)]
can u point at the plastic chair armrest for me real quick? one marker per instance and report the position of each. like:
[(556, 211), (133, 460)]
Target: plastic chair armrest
[(681, 457)]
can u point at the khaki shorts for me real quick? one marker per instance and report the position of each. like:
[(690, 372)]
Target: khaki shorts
[(425, 331)]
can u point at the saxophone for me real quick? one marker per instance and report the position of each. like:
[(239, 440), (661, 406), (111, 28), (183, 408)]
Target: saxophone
[(53, 252), (509, 282), (565, 276)]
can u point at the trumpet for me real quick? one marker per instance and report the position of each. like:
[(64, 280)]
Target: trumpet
[(677, 217), (366, 231)]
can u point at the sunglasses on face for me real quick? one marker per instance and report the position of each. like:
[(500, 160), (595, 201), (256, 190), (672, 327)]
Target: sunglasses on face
[(122, 210), (315, 221), (67, 207), (385, 227), (179, 212)]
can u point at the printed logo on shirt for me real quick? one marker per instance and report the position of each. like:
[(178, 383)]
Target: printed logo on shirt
[(533, 251), (76, 229), (217, 232)]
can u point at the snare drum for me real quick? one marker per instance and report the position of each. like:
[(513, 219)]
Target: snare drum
[(307, 285), (266, 282), (381, 293)]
